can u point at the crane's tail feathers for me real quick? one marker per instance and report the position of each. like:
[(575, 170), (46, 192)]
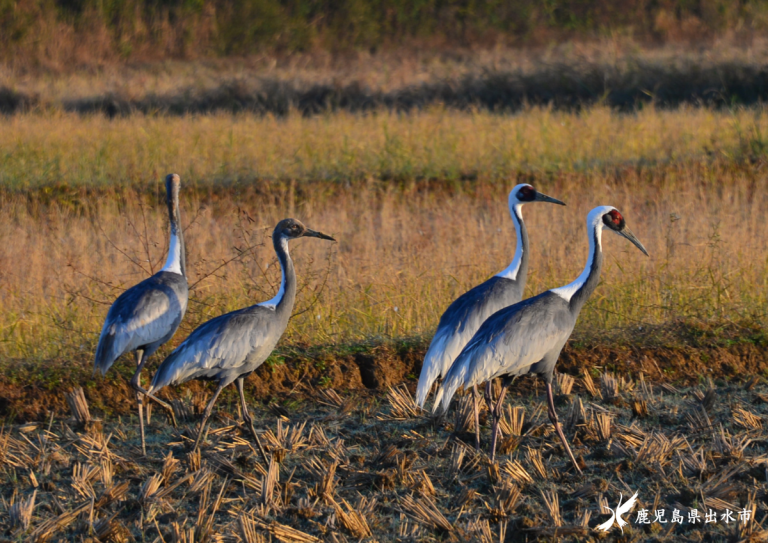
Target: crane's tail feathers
[(159, 380), (455, 377), (438, 397), (105, 352), (102, 362), (422, 390), (433, 366), (166, 373), (445, 395), (429, 374)]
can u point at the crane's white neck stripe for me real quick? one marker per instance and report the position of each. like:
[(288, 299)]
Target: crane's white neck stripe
[(595, 231), (173, 262), (511, 271), (273, 303)]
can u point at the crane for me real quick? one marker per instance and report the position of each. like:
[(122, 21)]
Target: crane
[(228, 348), (148, 314), (465, 315), (528, 336)]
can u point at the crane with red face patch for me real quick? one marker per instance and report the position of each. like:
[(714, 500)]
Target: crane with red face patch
[(528, 336), (465, 315)]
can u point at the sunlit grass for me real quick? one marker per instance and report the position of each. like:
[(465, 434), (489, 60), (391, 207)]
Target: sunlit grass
[(445, 144), (418, 204)]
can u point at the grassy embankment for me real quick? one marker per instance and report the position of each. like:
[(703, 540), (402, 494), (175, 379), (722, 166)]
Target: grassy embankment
[(418, 204)]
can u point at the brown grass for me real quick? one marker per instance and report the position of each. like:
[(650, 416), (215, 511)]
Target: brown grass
[(615, 71), (225, 492), (412, 235)]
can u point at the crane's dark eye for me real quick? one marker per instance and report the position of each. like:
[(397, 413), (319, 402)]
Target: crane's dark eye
[(526, 194), (613, 220)]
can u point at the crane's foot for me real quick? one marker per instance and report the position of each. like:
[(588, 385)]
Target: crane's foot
[(164, 405), (258, 442), (567, 448), (553, 417)]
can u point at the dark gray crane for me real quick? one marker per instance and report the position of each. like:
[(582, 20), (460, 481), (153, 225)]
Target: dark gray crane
[(148, 314), (230, 347), (465, 315), (527, 337)]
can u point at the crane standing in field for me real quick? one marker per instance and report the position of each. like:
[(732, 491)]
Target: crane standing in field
[(230, 347), (465, 315), (527, 337), (147, 315)]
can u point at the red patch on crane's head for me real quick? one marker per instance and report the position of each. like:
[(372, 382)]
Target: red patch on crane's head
[(614, 220)]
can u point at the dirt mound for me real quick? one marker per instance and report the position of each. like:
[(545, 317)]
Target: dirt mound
[(29, 391)]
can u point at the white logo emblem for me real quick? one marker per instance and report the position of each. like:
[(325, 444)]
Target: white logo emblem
[(616, 515)]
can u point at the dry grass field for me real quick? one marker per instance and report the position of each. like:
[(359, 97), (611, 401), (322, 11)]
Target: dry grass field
[(363, 467), (613, 71), (418, 205)]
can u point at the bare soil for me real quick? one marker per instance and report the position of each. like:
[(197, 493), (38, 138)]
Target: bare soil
[(30, 391)]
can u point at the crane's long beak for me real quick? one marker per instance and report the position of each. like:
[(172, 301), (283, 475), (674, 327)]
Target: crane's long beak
[(544, 198), (313, 234), (627, 233)]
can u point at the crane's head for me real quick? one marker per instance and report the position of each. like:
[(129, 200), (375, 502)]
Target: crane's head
[(525, 193), (611, 218), (172, 185), (293, 228)]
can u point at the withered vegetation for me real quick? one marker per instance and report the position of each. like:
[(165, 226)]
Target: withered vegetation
[(366, 466)]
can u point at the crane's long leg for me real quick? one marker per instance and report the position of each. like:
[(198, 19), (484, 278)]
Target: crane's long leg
[(489, 395), (206, 414), (497, 416), (140, 399), (136, 384), (476, 408), (247, 418), (558, 429)]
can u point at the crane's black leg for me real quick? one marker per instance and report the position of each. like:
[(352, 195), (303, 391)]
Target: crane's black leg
[(497, 416), (247, 418), (558, 429), (136, 384), (206, 414), (476, 408), (489, 395), (140, 398)]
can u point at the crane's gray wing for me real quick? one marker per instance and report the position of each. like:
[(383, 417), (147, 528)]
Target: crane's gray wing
[(142, 315), (509, 343), (219, 346), (459, 323)]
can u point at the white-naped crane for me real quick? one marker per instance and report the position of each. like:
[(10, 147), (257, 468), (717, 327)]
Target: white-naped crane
[(228, 348), (527, 337), (465, 315), (148, 314)]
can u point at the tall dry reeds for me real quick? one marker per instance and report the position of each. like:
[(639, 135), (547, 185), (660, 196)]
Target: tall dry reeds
[(406, 247)]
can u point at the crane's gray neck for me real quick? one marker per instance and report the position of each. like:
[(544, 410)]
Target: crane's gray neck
[(283, 302), (177, 255), (518, 268), (578, 292)]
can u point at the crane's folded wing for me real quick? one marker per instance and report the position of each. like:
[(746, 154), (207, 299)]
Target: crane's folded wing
[(225, 342)]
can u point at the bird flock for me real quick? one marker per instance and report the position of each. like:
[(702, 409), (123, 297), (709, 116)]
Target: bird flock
[(487, 333)]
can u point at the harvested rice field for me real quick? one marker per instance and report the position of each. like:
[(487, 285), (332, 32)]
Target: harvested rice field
[(364, 466)]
